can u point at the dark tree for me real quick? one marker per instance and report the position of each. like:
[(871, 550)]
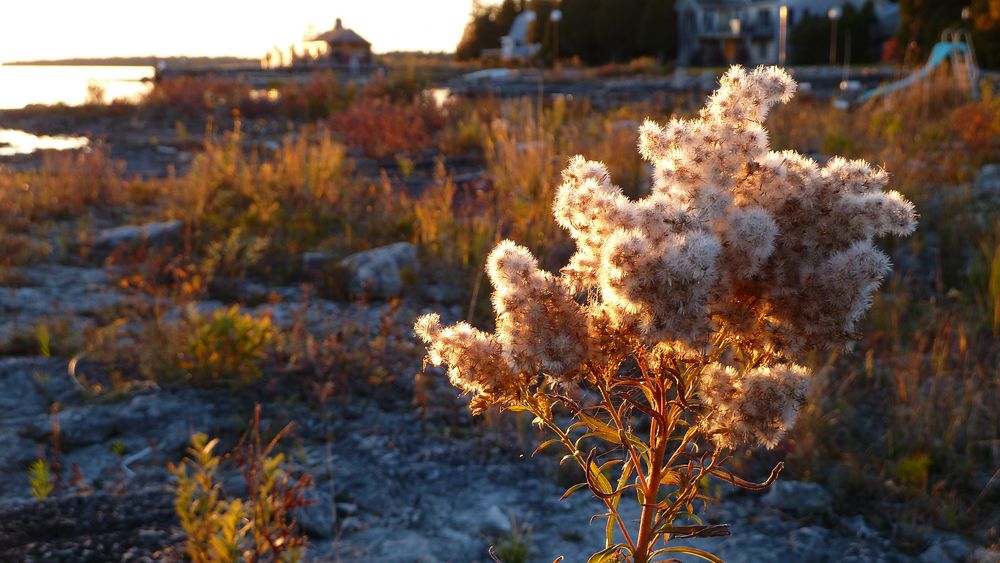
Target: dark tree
[(596, 31), (487, 24), (658, 30), (922, 21), (617, 24), (809, 40)]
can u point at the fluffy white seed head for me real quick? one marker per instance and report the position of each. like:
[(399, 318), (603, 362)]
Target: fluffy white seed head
[(768, 252), (753, 407)]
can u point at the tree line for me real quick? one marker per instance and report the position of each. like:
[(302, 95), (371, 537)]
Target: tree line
[(595, 31), (603, 31)]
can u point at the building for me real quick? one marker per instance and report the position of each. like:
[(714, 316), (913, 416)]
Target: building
[(342, 48), (715, 32), (515, 45)]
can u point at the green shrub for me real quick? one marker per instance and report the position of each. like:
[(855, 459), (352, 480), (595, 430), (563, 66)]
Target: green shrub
[(227, 345)]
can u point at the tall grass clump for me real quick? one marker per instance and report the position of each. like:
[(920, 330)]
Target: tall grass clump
[(277, 206), (671, 336), (62, 187)]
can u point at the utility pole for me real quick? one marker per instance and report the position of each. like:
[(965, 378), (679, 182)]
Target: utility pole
[(834, 15), (555, 17), (782, 35)]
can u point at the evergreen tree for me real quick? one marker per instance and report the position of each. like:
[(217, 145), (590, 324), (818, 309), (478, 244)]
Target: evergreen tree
[(617, 25), (658, 30), (596, 31), (809, 40), (922, 21)]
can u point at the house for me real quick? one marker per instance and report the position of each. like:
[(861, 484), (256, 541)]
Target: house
[(515, 44), (715, 32), (343, 48)]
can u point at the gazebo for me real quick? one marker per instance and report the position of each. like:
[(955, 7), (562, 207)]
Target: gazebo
[(345, 48)]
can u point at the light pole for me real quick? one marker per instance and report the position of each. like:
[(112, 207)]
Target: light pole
[(555, 16), (782, 35), (834, 15)]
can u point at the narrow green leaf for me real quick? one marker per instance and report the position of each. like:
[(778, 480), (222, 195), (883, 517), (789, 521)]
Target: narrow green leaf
[(609, 464), (687, 551), (544, 445), (602, 482), (572, 490), (600, 429), (609, 553)]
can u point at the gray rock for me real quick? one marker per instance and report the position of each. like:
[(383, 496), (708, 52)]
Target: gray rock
[(17, 453), (811, 539), (987, 184), (314, 262), (859, 527), (441, 292), (351, 525), (58, 292), (234, 485), (947, 547), (31, 385), (405, 547), (378, 272), (935, 554), (495, 522), (319, 517), (798, 497), (152, 234), (984, 555)]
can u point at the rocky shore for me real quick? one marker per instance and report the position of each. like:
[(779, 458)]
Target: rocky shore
[(395, 482)]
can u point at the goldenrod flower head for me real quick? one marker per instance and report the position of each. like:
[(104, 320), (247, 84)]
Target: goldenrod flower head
[(736, 244)]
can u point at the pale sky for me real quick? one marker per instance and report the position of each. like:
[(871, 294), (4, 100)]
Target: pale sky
[(55, 29)]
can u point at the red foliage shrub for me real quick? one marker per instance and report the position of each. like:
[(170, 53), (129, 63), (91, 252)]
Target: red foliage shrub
[(380, 128), (975, 124)]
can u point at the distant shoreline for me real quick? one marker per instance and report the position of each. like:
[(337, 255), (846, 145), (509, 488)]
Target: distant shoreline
[(139, 61)]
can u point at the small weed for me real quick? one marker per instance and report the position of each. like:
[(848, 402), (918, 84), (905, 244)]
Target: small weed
[(40, 478), (257, 527), (514, 547), (227, 345)]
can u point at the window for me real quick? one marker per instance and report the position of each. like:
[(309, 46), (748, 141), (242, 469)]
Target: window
[(764, 18)]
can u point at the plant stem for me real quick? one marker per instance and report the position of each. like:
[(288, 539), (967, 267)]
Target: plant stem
[(565, 439), (659, 435)]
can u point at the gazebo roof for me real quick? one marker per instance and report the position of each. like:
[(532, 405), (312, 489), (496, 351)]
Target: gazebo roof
[(340, 35)]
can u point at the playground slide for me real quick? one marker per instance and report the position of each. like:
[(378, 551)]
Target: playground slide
[(939, 54)]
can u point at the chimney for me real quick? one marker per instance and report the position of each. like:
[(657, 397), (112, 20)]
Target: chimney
[(339, 25)]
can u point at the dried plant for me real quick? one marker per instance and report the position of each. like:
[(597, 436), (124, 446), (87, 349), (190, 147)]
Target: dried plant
[(686, 308)]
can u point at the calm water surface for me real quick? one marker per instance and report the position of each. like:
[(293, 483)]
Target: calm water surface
[(24, 85), (14, 142), (72, 85)]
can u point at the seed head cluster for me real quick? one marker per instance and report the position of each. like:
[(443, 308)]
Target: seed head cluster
[(737, 246), (754, 407)]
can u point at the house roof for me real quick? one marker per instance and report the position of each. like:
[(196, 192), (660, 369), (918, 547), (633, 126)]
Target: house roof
[(340, 35)]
